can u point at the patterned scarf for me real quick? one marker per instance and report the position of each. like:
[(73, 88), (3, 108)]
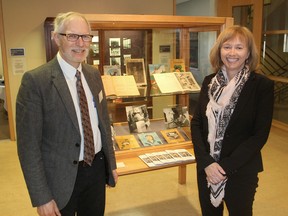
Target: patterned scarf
[(223, 95)]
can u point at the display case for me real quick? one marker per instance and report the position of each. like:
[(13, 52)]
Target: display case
[(149, 40)]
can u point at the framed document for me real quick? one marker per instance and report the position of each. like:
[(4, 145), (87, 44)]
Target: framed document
[(136, 68)]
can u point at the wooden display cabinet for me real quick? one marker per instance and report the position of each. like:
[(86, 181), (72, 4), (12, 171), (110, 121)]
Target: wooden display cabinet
[(163, 37)]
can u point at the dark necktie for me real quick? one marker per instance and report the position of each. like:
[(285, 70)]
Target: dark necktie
[(89, 151)]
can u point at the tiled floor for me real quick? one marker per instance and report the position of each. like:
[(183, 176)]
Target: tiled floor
[(156, 193)]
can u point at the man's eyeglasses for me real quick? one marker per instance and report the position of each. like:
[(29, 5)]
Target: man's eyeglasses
[(75, 37)]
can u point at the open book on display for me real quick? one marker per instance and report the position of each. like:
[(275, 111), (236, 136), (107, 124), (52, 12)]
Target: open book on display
[(176, 82), (120, 86)]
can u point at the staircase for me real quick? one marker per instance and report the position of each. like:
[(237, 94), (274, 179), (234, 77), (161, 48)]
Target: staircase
[(274, 64)]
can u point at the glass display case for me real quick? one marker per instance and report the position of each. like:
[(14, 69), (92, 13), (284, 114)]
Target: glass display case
[(123, 44)]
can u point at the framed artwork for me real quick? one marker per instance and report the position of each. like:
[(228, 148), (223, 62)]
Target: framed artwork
[(95, 48), (126, 57), (136, 68), (114, 42), (115, 51), (112, 70), (115, 61), (96, 62), (126, 43)]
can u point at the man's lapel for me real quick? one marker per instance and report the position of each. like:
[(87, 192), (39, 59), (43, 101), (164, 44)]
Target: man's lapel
[(60, 84)]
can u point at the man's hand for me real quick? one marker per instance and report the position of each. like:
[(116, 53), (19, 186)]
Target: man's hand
[(115, 175), (215, 173), (49, 209)]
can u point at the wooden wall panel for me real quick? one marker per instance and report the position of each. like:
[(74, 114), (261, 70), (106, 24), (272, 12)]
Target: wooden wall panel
[(225, 8)]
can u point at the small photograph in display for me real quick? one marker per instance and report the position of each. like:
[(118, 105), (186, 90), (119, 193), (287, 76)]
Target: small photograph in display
[(176, 117), (138, 118)]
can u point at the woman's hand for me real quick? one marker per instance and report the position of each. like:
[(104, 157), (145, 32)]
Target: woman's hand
[(215, 173)]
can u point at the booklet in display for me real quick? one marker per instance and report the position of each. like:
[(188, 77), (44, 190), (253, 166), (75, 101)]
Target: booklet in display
[(172, 135), (167, 157), (181, 154), (176, 82), (126, 142), (120, 85), (186, 155), (177, 65), (164, 157), (155, 69), (147, 160), (150, 139)]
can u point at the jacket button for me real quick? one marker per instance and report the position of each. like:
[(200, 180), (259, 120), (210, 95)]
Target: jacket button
[(75, 162), (77, 145)]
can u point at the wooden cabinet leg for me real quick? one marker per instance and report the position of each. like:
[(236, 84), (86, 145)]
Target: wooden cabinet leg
[(182, 174)]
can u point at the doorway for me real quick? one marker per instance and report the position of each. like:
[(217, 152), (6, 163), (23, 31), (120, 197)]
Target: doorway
[(4, 117)]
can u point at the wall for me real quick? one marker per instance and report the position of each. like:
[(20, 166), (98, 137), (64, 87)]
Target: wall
[(162, 37), (23, 25), (197, 8), (1, 65)]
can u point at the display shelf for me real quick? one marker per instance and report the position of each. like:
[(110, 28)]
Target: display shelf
[(133, 164), (130, 158)]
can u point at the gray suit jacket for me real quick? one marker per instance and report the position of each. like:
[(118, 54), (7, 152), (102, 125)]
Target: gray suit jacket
[(48, 135)]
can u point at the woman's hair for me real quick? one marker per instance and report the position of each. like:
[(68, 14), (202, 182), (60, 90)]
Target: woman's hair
[(63, 18), (230, 33)]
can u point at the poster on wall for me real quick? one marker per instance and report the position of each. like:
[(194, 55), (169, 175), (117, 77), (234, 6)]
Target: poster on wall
[(164, 54), (164, 48), (18, 60), (18, 65)]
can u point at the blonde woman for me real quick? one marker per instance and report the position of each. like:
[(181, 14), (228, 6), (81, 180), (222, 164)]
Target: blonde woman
[(231, 124)]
